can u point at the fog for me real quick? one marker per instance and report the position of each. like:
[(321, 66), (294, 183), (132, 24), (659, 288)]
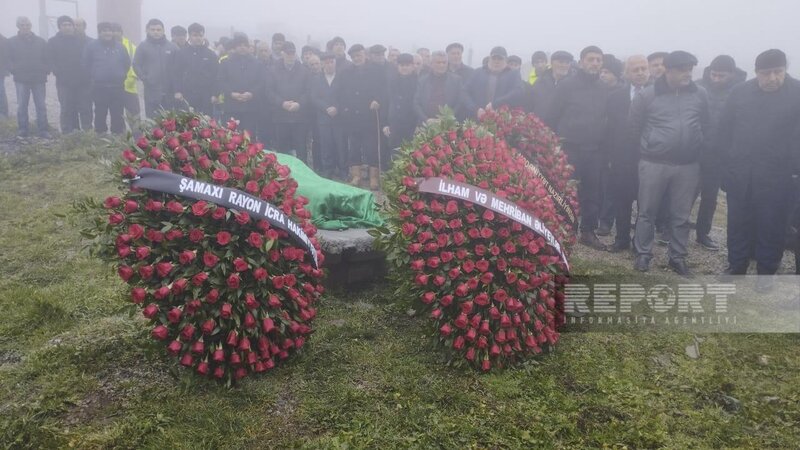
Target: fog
[(623, 27)]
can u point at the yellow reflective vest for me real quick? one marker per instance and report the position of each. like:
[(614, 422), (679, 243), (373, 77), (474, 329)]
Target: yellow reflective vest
[(130, 80)]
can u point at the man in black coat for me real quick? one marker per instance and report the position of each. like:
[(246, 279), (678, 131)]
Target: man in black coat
[(541, 93), (65, 50), (719, 79), (290, 103), (757, 137), (361, 93), (28, 63), (436, 89), (151, 64), (623, 153), (107, 62), (578, 115), (491, 87), (669, 120), (241, 81), (194, 73), (401, 121), (3, 74), (455, 61), (329, 127)]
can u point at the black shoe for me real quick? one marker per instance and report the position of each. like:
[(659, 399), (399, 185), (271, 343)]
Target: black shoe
[(603, 230), (707, 243), (680, 267), (642, 263), (589, 239)]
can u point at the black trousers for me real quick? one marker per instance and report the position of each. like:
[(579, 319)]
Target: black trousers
[(623, 188), (69, 100), (291, 137), (108, 103), (363, 145), (708, 191), (588, 163), (758, 214), (331, 150)]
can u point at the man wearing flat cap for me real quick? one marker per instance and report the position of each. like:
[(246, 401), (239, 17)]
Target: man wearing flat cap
[(669, 120), (492, 86), (288, 95), (64, 51), (400, 118), (541, 94), (758, 141)]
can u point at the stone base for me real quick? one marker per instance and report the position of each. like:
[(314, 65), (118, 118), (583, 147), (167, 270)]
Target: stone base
[(350, 259)]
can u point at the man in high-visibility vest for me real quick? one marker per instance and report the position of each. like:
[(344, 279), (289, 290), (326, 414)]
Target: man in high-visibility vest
[(132, 108)]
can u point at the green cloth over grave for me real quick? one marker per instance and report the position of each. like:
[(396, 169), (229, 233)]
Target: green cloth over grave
[(333, 205)]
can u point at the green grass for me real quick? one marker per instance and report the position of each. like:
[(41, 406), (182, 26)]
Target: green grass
[(76, 370)]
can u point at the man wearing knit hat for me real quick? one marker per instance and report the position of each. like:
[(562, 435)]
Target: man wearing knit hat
[(669, 120), (757, 141), (719, 79)]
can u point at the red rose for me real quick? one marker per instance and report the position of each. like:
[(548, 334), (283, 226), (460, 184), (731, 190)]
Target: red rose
[(187, 360), (112, 202), (249, 321), (174, 348), (174, 315), (251, 187), (163, 268), (199, 279), (125, 272), (210, 259), (161, 293), (242, 218), (212, 296), (116, 218), (179, 286), (174, 207), (204, 162), (220, 176), (240, 265), (226, 310), (128, 155), (138, 295), (186, 257), (223, 238), (233, 281), (142, 252), (150, 310), (130, 206), (428, 298), (200, 208), (462, 290), (202, 368), (136, 231), (482, 265), (160, 332), (260, 274), (196, 235), (267, 325), (237, 173)]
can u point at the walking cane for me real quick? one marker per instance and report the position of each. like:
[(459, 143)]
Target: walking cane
[(378, 121)]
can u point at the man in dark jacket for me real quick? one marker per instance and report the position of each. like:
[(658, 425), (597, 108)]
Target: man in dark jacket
[(151, 63), (623, 153), (438, 88), (107, 63), (194, 73), (491, 87), (242, 81), (361, 93), (290, 103), (758, 140), (338, 47), (455, 61), (401, 121), (3, 74), (329, 128), (541, 93), (578, 115), (65, 50), (670, 122), (27, 60), (719, 79)]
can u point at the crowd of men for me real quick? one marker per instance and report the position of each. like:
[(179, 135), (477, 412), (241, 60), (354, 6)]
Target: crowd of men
[(640, 131)]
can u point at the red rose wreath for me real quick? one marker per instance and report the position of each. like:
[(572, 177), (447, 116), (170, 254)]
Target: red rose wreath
[(227, 293), (493, 286)]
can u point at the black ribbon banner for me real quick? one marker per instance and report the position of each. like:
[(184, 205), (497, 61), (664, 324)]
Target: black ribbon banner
[(478, 196), (172, 183)]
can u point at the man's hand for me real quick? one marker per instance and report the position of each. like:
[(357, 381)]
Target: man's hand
[(247, 96), (332, 111), (295, 107), (287, 105), (374, 105), (178, 96), (387, 131)]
